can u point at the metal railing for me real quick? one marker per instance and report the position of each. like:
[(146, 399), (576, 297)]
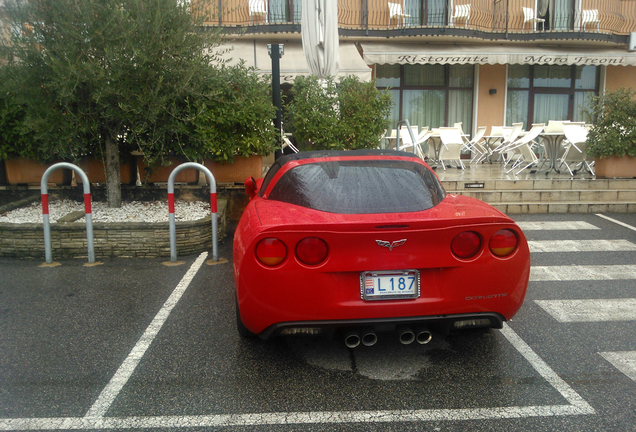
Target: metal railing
[(497, 16)]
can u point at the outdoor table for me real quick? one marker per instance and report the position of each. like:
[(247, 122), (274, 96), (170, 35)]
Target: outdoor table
[(553, 142), (491, 142)]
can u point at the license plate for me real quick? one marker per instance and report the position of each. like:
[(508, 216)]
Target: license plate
[(389, 285)]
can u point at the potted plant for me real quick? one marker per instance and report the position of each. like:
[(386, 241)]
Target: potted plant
[(612, 140)]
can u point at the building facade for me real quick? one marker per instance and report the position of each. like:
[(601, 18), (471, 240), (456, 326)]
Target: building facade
[(479, 62)]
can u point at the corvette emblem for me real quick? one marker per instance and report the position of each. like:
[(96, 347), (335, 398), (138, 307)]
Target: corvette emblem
[(389, 245)]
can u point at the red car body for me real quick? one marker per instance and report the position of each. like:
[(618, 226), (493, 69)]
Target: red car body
[(470, 274)]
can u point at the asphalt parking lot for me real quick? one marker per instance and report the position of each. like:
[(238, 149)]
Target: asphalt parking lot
[(134, 344)]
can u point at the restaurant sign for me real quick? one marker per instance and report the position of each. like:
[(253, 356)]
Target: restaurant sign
[(565, 59)]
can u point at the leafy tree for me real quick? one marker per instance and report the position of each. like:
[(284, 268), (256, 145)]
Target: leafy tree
[(349, 115), (111, 76)]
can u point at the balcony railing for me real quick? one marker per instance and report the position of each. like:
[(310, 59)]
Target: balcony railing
[(497, 16)]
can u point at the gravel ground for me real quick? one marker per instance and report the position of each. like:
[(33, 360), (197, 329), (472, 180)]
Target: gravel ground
[(135, 211)]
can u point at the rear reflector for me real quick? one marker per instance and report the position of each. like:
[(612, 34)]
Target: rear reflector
[(311, 251), (472, 323), (503, 243), (271, 252), (300, 331), (466, 244)]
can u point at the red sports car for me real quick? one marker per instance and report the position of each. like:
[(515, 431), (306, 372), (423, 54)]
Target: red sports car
[(367, 241)]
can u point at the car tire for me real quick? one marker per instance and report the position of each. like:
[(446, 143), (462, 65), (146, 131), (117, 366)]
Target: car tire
[(240, 327)]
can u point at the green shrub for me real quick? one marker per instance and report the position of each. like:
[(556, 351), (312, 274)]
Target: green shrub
[(614, 131), (326, 116)]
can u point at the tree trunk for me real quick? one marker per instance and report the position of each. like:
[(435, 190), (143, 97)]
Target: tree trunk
[(113, 181)]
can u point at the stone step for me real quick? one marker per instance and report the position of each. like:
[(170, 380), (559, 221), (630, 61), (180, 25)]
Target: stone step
[(565, 207), (541, 184), (551, 195)]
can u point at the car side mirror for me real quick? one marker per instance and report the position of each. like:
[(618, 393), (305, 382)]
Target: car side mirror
[(250, 187)]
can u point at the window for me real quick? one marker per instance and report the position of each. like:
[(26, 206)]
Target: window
[(284, 11), (539, 93), (359, 187), (432, 95)]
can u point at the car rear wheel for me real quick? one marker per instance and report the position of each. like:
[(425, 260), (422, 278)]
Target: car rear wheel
[(240, 327)]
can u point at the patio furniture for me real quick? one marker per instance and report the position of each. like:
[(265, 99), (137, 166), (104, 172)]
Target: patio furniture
[(523, 149), (529, 17), (510, 135), (396, 12), (576, 149), (590, 16), (258, 8), (451, 149), (553, 138), (462, 12)]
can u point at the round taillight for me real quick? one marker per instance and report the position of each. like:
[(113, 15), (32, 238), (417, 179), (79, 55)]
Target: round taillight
[(503, 243), (466, 244), (311, 251), (271, 251)]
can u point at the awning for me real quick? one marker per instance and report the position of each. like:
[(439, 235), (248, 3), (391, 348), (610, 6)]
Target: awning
[(293, 62), (392, 53)]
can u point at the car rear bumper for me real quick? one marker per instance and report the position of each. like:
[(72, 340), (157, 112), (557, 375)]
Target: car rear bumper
[(439, 323)]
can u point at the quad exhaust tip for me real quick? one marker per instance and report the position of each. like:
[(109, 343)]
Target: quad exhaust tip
[(352, 338), (369, 338)]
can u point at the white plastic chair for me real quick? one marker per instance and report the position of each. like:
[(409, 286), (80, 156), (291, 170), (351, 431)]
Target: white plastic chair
[(510, 136), (288, 143), (529, 17), (406, 138), (590, 16), (462, 12), (258, 8), (452, 143), (576, 150), (523, 149), (475, 145), (395, 11)]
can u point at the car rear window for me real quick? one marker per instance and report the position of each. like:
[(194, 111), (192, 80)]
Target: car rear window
[(360, 186)]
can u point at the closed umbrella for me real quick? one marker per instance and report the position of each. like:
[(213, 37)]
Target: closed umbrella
[(319, 30)]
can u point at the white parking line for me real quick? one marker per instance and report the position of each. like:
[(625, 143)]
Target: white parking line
[(624, 361), (576, 406), (559, 226), (578, 272), (617, 222), (595, 310), (110, 392), (581, 246)]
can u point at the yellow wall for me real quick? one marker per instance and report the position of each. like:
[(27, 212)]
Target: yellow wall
[(490, 109), (620, 76)]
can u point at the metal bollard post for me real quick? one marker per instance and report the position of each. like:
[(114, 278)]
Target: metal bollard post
[(213, 209), (87, 210)]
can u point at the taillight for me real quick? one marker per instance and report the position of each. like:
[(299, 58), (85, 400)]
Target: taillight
[(311, 251), (466, 244), (503, 243), (271, 251)]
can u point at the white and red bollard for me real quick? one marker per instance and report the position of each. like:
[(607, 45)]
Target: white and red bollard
[(213, 209)]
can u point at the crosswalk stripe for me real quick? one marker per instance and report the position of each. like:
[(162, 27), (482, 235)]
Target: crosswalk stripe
[(624, 361), (581, 246), (561, 226), (579, 272), (591, 310)]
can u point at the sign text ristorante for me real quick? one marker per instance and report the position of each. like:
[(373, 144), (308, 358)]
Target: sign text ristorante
[(571, 59)]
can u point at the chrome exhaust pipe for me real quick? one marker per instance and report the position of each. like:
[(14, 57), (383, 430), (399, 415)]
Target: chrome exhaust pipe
[(406, 335), (423, 336), (352, 338), (369, 338)]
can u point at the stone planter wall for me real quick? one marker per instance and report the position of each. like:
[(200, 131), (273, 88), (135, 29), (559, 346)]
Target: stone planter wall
[(615, 167), (137, 239)]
